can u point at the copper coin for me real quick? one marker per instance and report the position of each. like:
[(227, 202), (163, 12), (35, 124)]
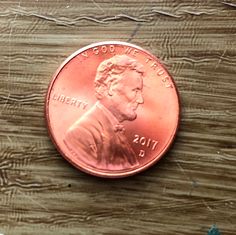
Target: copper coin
[(112, 109)]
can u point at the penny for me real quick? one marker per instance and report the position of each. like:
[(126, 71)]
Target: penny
[(112, 109)]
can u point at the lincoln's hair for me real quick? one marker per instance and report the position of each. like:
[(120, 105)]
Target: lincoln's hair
[(116, 65)]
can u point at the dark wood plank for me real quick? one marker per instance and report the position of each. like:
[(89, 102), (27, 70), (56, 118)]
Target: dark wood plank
[(189, 190)]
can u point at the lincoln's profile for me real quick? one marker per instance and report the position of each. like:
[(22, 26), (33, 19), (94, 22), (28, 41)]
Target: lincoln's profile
[(98, 137)]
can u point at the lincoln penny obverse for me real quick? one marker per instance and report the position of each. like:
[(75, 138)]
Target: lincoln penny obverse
[(112, 109)]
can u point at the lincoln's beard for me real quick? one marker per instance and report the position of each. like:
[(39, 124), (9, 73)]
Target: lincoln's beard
[(129, 116), (122, 111)]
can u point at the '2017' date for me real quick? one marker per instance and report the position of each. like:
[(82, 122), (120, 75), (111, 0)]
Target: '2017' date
[(145, 142)]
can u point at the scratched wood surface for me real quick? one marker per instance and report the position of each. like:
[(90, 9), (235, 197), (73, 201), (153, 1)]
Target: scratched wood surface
[(189, 190)]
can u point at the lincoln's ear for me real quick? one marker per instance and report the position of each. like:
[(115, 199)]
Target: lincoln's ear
[(110, 88)]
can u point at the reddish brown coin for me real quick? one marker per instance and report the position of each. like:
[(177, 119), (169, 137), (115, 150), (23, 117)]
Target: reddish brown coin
[(112, 109)]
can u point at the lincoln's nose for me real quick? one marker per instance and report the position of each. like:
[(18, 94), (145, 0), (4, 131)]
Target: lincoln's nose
[(140, 98)]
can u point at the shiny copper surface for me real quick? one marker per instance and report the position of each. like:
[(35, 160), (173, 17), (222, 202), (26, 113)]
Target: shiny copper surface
[(112, 109)]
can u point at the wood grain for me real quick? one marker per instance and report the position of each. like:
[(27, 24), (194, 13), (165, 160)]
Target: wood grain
[(189, 190)]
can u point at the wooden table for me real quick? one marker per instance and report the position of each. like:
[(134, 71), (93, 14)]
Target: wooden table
[(189, 190)]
